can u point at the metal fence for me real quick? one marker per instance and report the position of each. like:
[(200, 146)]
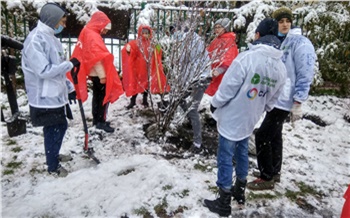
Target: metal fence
[(20, 28), (160, 22)]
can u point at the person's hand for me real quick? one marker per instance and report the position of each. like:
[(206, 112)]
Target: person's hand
[(128, 48), (75, 62), (296, 112), (103, 80), (212, 108), (72, 97), (215, 73)]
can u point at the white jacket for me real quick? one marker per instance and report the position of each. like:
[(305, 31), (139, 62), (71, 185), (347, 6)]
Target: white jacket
[(44, 67), (299, 57), (194, 61), (250, 86)]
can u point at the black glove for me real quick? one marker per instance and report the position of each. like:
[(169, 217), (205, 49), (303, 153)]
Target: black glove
[(212, 108), (75, 62), (72, 97), (204, 82)]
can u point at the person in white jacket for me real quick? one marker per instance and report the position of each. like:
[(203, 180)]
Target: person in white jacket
[(299, 58), (251, 86), (48, 89), (195, 71)]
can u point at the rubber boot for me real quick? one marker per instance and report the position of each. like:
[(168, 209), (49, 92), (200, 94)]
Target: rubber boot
[(132, 102), (144, 99), (222, 205), (238, 192)]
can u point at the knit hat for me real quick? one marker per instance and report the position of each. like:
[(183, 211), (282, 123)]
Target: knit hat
[(268, 26), (224, 22), (283, 12), (51, 14)]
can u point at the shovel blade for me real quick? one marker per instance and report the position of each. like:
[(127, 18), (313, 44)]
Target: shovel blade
[(16, 127)]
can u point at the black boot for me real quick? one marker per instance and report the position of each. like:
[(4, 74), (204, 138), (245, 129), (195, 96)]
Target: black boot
[(222, 205), (104, 126), (132, 102), (238, 192), (144, 99)]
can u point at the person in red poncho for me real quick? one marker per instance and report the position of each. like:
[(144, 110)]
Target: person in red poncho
[(346, 207), (136, 76), (97, 64), (222, 50)]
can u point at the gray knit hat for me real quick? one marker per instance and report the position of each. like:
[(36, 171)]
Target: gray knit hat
[(224, 22), (51, 14)]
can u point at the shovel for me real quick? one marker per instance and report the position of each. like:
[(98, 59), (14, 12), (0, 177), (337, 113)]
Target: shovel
[(88, 151), (15, 125)]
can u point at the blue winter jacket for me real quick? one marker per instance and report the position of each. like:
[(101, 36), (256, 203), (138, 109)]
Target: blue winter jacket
[(299, 58)]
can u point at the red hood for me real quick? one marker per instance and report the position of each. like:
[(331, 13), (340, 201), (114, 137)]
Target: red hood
[(228, 35), (139, 30), (98, 21)]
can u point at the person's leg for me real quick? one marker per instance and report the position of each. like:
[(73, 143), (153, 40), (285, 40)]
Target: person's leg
[(277, 150), (242, 160), (222, 205), (95, 105), (53, 137), (132, 102), (144, 99), (100, 95), (194, 117), (242, 165), (270, 128), (225, 153)]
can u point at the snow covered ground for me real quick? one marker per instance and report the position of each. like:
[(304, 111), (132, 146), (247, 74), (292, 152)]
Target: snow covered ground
[(134, 180)]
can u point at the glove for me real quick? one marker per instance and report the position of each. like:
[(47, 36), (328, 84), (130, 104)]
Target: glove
[(75, 62), (72, 97), (215, 73), (204, 82), (296, 112), (212, 108), (128, 48)]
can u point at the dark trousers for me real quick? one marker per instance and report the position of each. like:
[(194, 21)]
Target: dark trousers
[(99, 110), (269, 143), (53, 137)]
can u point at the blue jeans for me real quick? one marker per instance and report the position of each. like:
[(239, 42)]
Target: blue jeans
[(53, 137), (226, 151)]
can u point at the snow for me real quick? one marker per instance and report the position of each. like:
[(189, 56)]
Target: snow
[(133, 175)]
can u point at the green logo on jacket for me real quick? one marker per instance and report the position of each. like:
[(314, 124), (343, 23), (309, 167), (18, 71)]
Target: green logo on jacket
[(255, 79), (264, 81)]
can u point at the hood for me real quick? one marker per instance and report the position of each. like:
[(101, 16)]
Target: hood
[(139, 30), (228, 35), (98, 21), (270, 40), (51, 14), (295, 31)]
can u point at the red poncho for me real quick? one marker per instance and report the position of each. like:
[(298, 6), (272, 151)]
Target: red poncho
[(90, 49), (216, 49), (135, 69), (346, 207)]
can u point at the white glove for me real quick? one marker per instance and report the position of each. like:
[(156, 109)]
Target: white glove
[(215, 73), (128, 48), (296, 112)]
